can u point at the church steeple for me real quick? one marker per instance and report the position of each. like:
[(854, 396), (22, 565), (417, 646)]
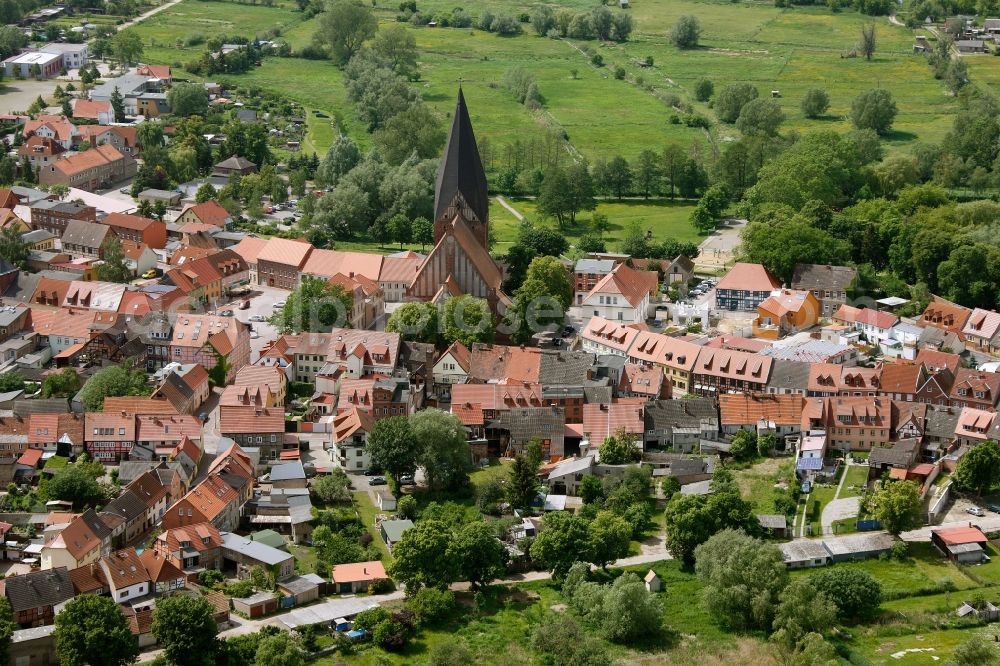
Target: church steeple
[(461, 172)]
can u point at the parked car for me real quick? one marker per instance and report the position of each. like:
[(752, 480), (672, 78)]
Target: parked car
[(258, 318), (254, 335), (372, 472), (406, 478), (151, 273), (226, 313), (126, 190), (377, 481), (245, 304), (975, 511), (278, 305)]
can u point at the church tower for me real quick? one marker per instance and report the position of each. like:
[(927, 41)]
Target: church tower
[(461, 181)]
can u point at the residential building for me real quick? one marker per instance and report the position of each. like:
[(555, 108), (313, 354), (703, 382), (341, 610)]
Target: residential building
[(719, 371), (982, 330), (945, 315), (587, 273), (875, 325), (138, 229), (622, 295), (123, 139), (367, 299), (247, 554), (397, 273), (58, 128), (40, 151), (85, 239), (139, 257), (40, 239), (850, 423), (126, 515), (165, 577), (85, 539), (109, 436), (601, 421), (349, 436), (680, 424), (126, 577), (210, 213), (192, 548), (675, 357), (450, 369), (234, 165), (33, 596), (745, 287), (601, 336), (249, 248), (270, 378), (355, 578), (973, 388), (280, 262), (213, 501), (204, 339), (639, 381), (829, 284), (786, 312), (258, 427), (53, 216), (185, 387), (780, 415), (99, 112), (101, 166)]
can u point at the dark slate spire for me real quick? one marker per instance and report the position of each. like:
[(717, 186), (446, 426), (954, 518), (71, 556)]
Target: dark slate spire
[(461, 169)]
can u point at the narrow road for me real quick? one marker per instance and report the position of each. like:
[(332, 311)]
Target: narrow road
[(840, 507), (513, 211), (146, 15)]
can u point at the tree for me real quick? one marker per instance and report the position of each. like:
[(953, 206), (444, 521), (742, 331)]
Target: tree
[(344, 27), (332, 488), (468, 320), (423, 232), (874, 109), (481, 557), (127, 47), (413, 131), (566, 192), (113, 268), (856, 594), (672, 162), (781, 244), (417, 560), (185, 627), (692, 519), (619, 449), (979, 469), (630, 611), (561, 641), (743, 445), (118, 104), (522, 483), (610, 535), (731, 100), (685, 33), (315, 305), (617, 177), (443, 449), (11, 381), (73, 484), (977, 651), (760, 117), (188, 99), (801, 610), (564, 540), (417, 322), (531, 242), (703, 89), (897, 506), (392, 448), (93, 630), (62, 384), (867, 43), (13, 248), (647, 173), (541, 300), (206, 191), (742, 578), (340, 158), (278, 650), (114, 380), (7, 627), (397, 47), (591, 490)]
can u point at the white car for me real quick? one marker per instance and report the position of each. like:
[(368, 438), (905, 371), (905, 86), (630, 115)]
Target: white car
[(254, 335), (258, 318), (975, 511), (278, 305)]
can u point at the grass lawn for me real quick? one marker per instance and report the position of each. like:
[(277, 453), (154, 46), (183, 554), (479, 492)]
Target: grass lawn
[(931, 648), (757, 482), (988, 573), (857, 477), (822, 494), (368, 511), (666, 219), (305, 559)]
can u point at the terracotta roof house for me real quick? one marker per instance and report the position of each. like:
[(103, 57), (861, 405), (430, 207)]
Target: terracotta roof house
[(354, 578), (249, 248), (164, 575), (126, 577), (349, 431), (259, 427), (40, 151), (100, 112), (83, 541), (203, 339), (397, 273), (719, 371), (186, 388), (98, 167), (161, 72), (780, 414), (191, 548), (210, 212), (280, 262), (944, 314), (643, 382), (601, 336), (138, 229), (973, 388), (744, 287), (901, 381), (851, 423), (876, 325), (213, 500), (367, 299), (601, 421), (829, 284), (274, 379), (326, 264), (622, 295), (982, 330), (60, 433), (935, 360), (786, 312)]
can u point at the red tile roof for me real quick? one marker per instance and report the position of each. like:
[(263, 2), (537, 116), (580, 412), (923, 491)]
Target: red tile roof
[(210, 212), (745, 409), (954, 536), (631, 284), (749, 277), (602, 421)]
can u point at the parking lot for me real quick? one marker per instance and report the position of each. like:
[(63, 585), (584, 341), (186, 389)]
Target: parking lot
[(262, 300)]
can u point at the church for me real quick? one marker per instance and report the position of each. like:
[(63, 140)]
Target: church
[(460, 262)]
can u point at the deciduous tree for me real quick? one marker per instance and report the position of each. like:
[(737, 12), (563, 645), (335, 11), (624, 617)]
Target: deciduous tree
[(392, 447), (344, 27), (686, 32), (731, 100), (979, 469), (113, 269), (419, 557), (92, 630), (874, 109), (897, 506), (443, 449), (564, 540), (856, 593), (185, 627), (481, 556)]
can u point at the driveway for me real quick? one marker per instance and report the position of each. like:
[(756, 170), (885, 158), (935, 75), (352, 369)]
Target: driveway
[(839, 509), (262, 300), (720, 247)]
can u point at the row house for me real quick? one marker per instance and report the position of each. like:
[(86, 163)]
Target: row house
[(601, 336), (163, 433), (280, 262), (125, 575), (90, 170), (126, 515), (58, 128), (789, 377), (40, 151), (249, 249), (259, 427), (829, 284), (745, 287), (247, 396), (719, 371), (477, 405), (85, 539), (199, 281), (451, 368), (850, 423), (192, 548), (367, 299), (639, 381), (944, 315), (973, 388), (780, 415), (205, 339), (973, 426), (520, 426), (85, 239), (165, 577), (237, 469), (109, 436), (61, 434), (231, 267), (210, 213), (982, 330), (679, 425), (349, 432), (122, 139), (34, 596), (326, 264), (380, 397), (604, 420), (211, 501), (53, 216), (185, 387), (138, 229), (397, 272), (676, 358), (155, 495)]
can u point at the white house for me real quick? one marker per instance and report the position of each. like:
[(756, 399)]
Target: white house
[(452, 368), (127, 578), (349, 437), (875, 325), (139, 257), (74, 56), (622, 295), (601, 336)]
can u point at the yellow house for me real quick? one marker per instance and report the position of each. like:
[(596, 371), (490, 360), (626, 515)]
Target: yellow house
[(40, 239), (786, 311), (10, 220), (81, 542)]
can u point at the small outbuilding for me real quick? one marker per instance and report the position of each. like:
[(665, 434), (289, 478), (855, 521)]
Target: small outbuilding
[(302, 590), (386, 501), (169, 198), (256, 605), (804, 553), (963, 545), (356, 577), (653, 582), (773, 524)]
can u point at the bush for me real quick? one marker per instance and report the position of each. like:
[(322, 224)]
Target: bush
[(855, 592), (240, 590), (210, 577), (389, 635), (620, 73), (899, 550), (703, 90), (369, 619), (431, 605), (380, 586), (597, 60), (406, 507)]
